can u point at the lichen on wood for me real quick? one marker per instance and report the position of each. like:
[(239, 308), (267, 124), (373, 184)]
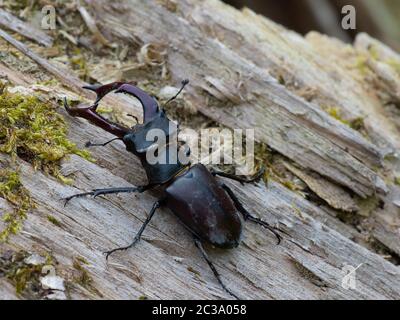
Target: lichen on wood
[(327, 124), (34, 131), (13, 191)]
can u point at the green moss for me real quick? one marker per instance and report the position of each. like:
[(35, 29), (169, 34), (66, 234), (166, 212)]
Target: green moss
[(49, 259), (264, 157), (104, 110), (78, 62), (357, 124), (143, 298), (368, 205), (35, 132), (395, 64), (18, 4), (82, 260), (50, 82), (335, 112), (54, 221), (170, 5), (21, 274), (25, 278), (373, 51), (290, 185), (12, 190), (192, 270), (83, 277), (2, 87), (361, 64), (281, 80), (397, 181)]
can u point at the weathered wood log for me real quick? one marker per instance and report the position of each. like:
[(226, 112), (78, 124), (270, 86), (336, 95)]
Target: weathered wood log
[(8, 21), (246, 72)]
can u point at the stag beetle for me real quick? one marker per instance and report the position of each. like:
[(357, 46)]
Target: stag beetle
[(207, 207)]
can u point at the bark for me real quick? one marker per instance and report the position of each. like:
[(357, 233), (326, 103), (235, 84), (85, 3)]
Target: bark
[(245, 72)]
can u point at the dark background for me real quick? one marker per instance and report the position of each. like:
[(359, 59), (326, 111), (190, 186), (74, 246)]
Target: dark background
[(379, 18)]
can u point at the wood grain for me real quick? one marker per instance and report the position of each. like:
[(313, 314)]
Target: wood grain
[(233, 59)]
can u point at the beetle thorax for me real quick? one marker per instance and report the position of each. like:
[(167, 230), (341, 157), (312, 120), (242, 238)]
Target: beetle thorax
[(155, 144)]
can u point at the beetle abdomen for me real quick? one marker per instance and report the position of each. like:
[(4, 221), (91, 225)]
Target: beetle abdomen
[(204, 207)]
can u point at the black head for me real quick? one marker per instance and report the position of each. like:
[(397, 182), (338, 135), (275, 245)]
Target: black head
[(156, 132), (144, 136), (140, 138)]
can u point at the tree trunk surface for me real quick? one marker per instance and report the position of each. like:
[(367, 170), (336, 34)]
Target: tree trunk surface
[(327, 112)]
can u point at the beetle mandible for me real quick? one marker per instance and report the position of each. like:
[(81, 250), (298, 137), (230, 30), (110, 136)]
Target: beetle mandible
[(211, 214)]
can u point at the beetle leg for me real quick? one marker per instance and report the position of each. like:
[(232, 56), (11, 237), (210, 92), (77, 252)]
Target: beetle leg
[(90, 144), (240, 179), (156, 205), (199, 245), (97, 192), (248, 216)]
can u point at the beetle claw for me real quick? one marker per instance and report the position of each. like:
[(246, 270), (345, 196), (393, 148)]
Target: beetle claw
[(66, 200), (108, 253), (92, 87), (102, 90), (89, 113), (95, 193), (78, 195), (267, 226)]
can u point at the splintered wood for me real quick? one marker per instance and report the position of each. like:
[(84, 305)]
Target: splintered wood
[(328, 111)]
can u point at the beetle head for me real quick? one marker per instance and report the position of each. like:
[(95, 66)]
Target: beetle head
[(152, 113), (156, 133)]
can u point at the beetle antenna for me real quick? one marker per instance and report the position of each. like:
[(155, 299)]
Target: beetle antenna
[(184, 83)]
